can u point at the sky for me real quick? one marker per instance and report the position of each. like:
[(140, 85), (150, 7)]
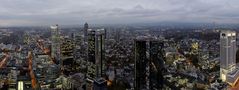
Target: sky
[(74, 12)]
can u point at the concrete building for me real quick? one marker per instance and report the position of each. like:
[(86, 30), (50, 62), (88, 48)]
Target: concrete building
[(228, 69)]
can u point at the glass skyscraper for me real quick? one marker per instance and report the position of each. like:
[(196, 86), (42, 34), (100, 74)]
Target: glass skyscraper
[(148, 64), (55, 46), (96, 51)]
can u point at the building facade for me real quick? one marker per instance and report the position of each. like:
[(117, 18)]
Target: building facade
[(148, 64), (228, 69), (140, 65), (56, 42), (86, 27), (96, 49)]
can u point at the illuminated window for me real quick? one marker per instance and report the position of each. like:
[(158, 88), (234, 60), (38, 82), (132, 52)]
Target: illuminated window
[(223, 77), (20, 85)]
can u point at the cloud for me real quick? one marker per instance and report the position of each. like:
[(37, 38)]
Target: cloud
[(41, 12)]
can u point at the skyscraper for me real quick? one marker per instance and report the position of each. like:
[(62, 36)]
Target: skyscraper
[(91, 72), (86, 27), (140, 64), (91, 46), (156, 64), (228, 69), (55, 47), (100, 52), (148, 68), (96, 51), (67, 51)]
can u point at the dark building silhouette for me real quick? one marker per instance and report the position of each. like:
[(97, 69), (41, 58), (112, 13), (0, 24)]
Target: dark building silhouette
[(140, 64), (156, 65), (153, 61)]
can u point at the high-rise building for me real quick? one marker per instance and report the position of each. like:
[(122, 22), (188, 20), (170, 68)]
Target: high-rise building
[(86, 27), (96, 51), (67, 48), (140, 64), (91, 46), (148, 66), (80, 51), (55, 46), (100, 52), (228, 69), (156, 64), (67, 51)]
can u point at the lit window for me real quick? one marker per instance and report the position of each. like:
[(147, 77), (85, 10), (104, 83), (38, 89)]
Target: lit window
[(223, 77), (20, 85)]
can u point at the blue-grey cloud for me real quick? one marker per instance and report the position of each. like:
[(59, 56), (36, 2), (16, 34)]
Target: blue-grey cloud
[(46, 12)]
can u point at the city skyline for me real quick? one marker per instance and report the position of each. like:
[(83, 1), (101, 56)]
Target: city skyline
[(119, 45), (118, 58), (72, 12)]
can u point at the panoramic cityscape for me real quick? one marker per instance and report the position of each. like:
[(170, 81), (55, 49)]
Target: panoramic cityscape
[(119, 45)]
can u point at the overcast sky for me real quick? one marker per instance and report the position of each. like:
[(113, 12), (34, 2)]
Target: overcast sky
[(68, 12)]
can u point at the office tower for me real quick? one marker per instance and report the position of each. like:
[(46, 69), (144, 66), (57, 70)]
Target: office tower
[(91, 46), (148, 78), (227, 40), (140, 64), (80, 52), (86, 27), (67, 48), (91, 71), (96, 51), (156, 64), (228, 70), (55, 46), (100, 51)]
